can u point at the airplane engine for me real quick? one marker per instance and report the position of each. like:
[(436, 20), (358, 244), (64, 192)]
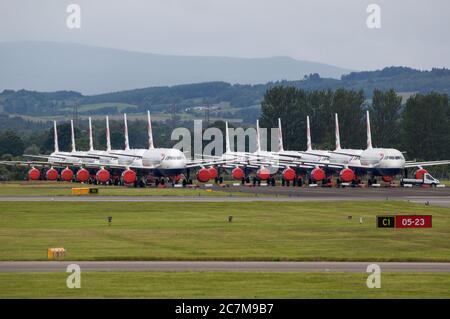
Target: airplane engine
[(102, 175), (237, 173), (420, 172), (317, 174), (387, 178), (213, 172), (34, 174), (203, 175), (51, 174), (263, 173), (67, 174), (347, 175), (128, 176), (289, 174), (82, 175)]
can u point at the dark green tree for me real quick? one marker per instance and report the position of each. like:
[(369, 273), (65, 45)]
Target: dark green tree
[(425, 127), (11, 143), (385, 118)]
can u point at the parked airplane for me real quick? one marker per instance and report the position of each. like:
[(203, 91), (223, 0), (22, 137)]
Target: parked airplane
[(351, 163), (130, 164)]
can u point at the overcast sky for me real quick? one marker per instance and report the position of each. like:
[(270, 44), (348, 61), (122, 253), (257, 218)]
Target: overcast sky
[(413, 33)]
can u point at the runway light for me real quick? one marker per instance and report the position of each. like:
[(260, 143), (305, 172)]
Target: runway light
[(230, 219), (109, 220)]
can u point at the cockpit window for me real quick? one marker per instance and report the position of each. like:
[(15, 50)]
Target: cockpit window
[(173, 158)]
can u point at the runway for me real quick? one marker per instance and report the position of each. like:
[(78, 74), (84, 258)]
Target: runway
[(240, 266), (432, 196)]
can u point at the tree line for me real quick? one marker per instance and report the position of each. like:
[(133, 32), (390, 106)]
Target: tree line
[(419, 127)]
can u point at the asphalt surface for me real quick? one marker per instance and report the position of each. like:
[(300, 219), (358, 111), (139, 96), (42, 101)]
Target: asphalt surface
[(432, 196), (241, 266)]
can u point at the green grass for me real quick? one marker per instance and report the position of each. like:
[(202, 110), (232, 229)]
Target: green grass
[(91, 107), (200, 231), (44, 188), (223, 285)]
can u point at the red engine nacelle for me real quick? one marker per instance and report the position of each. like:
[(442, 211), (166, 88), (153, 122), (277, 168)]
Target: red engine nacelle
[(203, 175), (420, 172), (51, 174), (34, 174), (213, 172), (102, 175), (83, 175), (387, 178), (67, 174), (128, 176), (289, 174), (237, 173), (263, 174), (317, 174), (347, 175)]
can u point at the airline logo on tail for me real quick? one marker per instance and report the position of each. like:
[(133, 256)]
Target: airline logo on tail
[(91, 142), (258, 137), (150, 133), (73, 136), (55, 136), (280, 137), (308, 135), (369, 135), (127, 143), (337, 137), (108, 137)]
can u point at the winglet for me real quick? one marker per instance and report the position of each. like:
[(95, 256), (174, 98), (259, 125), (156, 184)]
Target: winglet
[(258, 137), (127, 143), (74, 149), (91, 141), (150, 133), (55, 132), (280, 137), (108, 137), (337, 137), (227, 139), (308, 136), (369, 134)]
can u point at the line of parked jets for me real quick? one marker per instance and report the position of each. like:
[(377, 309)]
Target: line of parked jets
[(137, 166)]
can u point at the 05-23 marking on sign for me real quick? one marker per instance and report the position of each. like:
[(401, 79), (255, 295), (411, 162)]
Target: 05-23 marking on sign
[(404, 221)]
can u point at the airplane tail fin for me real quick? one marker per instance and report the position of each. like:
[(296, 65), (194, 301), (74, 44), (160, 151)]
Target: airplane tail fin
[(227, 139), (369, 134), (150, 133), (258, 137), (280, 137), (308, 135), (127, 143), (74, 149), (91, 141), (108, 137), (55, 132), (337, 136)]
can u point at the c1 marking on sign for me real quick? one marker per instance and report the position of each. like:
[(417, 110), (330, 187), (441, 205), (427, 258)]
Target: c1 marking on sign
[(385, 221)]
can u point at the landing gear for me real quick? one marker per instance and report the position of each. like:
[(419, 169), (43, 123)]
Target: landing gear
[(273, 183)]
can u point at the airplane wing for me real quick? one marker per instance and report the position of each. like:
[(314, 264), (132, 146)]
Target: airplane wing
[(429, 163), (40, 164)]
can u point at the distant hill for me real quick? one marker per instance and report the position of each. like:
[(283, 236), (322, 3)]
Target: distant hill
[(48, 66), (235, 101)]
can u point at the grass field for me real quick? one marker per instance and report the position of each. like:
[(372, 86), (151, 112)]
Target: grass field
[(223, 285), (200, 231), (44, 188)]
